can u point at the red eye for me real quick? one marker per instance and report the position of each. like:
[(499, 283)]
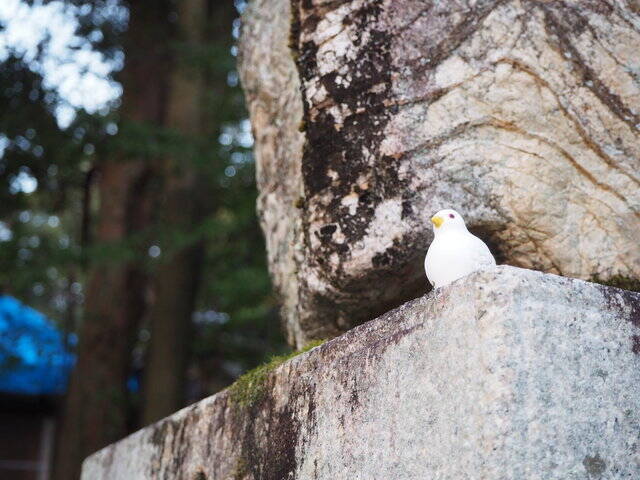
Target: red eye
[(451, 215)]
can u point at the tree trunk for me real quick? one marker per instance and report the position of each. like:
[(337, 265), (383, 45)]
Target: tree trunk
[(184, 206), (175, 287), (96, 406), (521, 115)]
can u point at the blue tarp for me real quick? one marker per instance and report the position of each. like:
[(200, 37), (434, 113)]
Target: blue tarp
[(33, 359)]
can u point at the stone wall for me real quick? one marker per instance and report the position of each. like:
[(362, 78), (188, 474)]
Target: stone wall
[(506, 374), (370, 115)]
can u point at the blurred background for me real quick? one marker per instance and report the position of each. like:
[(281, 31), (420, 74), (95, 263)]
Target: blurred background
[(133, 277)]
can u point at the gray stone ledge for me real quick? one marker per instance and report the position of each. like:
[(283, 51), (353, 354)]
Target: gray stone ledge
[(507, 374)]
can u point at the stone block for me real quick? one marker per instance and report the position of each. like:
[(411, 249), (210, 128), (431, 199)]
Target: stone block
[(505, 374)]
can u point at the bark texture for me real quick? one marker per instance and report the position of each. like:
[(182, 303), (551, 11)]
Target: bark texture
[(522, 115), (181, 207), (505, 375), (187, 198)]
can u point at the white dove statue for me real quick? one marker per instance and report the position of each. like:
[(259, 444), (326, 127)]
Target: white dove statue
[(455, 252)]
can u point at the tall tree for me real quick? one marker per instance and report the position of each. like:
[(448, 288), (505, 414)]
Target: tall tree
[(95, 411), (184, 203), (186, 199), (84, 232)]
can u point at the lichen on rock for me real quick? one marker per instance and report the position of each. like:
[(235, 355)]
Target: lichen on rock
[(497, 375), (619, 281)]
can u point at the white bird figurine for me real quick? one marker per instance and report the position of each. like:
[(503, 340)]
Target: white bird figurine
[(454, 252)]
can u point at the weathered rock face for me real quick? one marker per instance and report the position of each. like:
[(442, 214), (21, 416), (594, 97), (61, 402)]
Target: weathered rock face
[(524, 116), (507, 374), (272, 87)]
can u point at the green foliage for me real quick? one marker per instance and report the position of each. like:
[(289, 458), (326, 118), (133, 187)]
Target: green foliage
[(45, 244), (38, 249), (250, 387)]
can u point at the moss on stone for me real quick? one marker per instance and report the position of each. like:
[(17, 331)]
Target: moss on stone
[(294, 32), (200, 476), (250, 387), (619, 281), (241, 469)]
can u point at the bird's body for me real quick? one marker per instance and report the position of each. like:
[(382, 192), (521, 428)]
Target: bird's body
[(455, 252)]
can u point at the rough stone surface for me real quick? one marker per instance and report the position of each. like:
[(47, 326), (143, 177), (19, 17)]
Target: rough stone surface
[(506, 374), (272, 89), (522, 115)]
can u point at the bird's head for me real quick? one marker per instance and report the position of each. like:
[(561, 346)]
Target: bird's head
[(447, 220)]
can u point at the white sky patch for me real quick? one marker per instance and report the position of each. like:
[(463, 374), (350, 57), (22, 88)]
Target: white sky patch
[(237, 134), (53, 221), (4, 143), (23, 182), (245, 138), (70, 66), (210, 317), (5, 232)]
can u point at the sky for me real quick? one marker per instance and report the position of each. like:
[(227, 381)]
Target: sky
[(71, 67), (80, 76), (77, 72)]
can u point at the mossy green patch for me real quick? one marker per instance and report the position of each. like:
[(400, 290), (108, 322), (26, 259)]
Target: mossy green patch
[(294, 33), (241, 469), (200, 476), (250, 387), (619, 281)]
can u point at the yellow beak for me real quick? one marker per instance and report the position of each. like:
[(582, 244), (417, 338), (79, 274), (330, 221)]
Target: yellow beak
[(437, 221)]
